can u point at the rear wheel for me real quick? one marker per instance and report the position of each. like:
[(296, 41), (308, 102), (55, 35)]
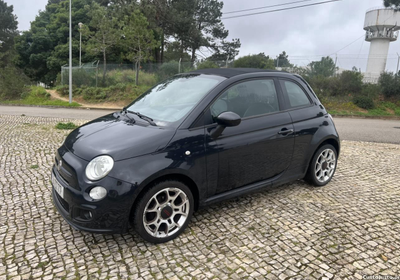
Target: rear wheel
[(322, 166), (163, 212)]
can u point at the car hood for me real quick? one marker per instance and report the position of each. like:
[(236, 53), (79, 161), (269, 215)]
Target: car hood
[(118, 137)]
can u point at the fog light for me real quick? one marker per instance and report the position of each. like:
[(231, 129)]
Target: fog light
[(98, 193), (86, 215)]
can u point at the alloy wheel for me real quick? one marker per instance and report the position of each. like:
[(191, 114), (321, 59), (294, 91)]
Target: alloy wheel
[(325, 165), (166, 212)]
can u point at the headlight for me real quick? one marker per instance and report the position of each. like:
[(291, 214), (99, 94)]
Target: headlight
[(99, 167)]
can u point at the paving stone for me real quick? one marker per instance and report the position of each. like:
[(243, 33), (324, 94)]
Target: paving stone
[(344, 230)]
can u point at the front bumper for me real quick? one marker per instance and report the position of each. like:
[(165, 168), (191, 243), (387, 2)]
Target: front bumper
[(109, 215)]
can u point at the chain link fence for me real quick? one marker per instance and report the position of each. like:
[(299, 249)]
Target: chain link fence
[(95, 74)]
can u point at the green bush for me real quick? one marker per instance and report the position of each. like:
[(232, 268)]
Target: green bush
[(371, 90), (260, 61), (80, 76), (118, 87), (94, 94), (351, 82), (348, 82), (123, 76), (364, 102), (114, 93), (390, 85), (87, 77), (207, 64), (64, 90), (35, 92), (147, 79), (325, 86), (12, 83), (39, 92), (167, 70)]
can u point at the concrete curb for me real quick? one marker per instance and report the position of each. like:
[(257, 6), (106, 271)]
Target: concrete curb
[(367, 117), (64, 107)]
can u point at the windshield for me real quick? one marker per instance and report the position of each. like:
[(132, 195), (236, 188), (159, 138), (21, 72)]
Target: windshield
[(171, 100)]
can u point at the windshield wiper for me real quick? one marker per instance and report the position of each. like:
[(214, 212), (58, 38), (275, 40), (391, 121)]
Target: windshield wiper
[(143, 117), (126, 115)]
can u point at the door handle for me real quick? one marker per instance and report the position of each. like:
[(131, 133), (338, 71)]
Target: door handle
[(286, 131)]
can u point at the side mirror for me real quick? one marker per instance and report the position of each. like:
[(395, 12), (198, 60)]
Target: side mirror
[(224, 120), (228, 119)]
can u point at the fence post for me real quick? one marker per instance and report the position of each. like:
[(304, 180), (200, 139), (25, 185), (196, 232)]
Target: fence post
[(97, 71), (137, 73)]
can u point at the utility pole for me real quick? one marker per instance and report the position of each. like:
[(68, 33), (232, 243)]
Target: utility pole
[(398, 62), (80, 44), (335, 64), (70, 51)]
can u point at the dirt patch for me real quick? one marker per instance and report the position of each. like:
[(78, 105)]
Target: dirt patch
[(55, 95), (105, 105)]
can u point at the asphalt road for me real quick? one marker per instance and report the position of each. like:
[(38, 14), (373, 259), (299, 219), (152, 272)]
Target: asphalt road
[(81, 114), (368, 130)]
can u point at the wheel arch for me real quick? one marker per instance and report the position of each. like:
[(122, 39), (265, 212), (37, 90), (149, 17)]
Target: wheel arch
[(183, 178), (331, 141)]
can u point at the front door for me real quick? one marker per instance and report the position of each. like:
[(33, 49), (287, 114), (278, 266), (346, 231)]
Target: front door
[(259, 148)]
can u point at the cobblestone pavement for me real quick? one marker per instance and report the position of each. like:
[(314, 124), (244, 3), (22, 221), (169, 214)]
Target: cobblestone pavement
[(345, 230)]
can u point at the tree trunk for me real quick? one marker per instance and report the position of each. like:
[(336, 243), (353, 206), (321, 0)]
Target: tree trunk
[(193, 55), (157, 54), (104, 67), (162, 48), (137, 73), (138, 63)]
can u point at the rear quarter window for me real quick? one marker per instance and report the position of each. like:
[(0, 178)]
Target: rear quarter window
[(295, 94)]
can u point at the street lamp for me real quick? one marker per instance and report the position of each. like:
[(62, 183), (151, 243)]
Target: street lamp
[(70, 51), (80, 43)]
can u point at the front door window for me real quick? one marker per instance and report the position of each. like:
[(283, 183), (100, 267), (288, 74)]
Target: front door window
[(248, 99)]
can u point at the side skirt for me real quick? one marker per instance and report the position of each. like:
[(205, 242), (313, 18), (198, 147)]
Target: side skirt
[(251, 188), (254, 187)]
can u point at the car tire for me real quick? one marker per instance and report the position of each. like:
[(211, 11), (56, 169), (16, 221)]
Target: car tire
[(163, 212), (322, 166)]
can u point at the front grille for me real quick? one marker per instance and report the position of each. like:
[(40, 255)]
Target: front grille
[(66, 172), (63, 203)]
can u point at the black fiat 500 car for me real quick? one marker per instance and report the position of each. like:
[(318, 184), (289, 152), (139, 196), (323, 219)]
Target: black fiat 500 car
[(192, 140)]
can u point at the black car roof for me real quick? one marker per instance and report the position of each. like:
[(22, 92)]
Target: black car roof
[(231, 72)]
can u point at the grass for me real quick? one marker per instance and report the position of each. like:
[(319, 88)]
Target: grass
[(116, 93), (370, 113), (119, 86), (66, 126), (42, 265), (35, 166), (342, 106), (39, 96)]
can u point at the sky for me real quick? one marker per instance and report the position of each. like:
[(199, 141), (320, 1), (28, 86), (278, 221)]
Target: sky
[(306, 34)]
